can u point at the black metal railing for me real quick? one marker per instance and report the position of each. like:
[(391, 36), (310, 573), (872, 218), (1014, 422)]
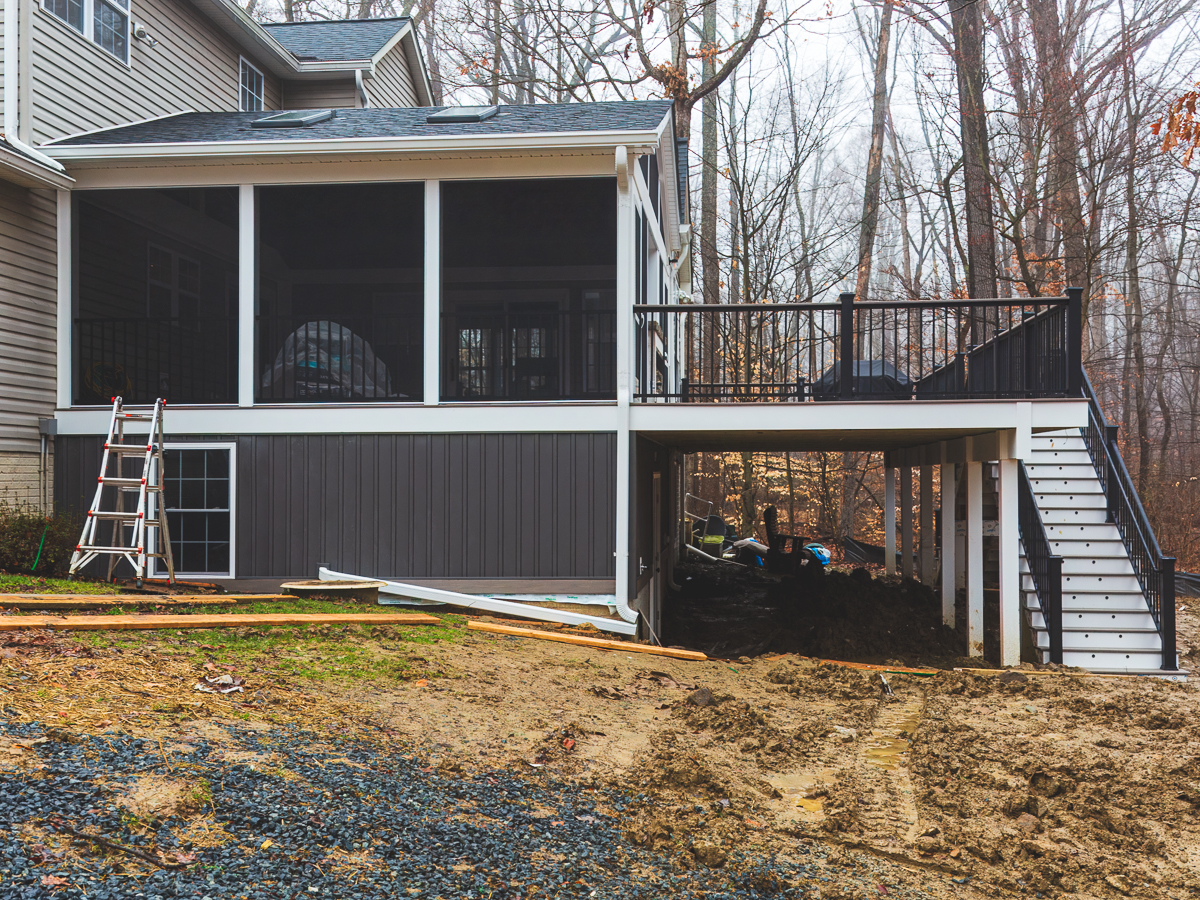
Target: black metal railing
[(1045, 566), (184, 359), (533, 355), (339, 359), (890, 350), (1155, 572)]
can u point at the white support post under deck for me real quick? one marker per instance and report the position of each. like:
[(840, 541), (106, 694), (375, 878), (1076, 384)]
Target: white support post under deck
[(974, 558), (1010, 572), (433, 293), (625, 338), (949, 539), (889, 519), (65, 300), (247, 293), (906, 521), (927, 566)]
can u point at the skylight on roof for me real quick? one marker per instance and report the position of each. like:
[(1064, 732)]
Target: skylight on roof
[(461, 114), (295, 119)]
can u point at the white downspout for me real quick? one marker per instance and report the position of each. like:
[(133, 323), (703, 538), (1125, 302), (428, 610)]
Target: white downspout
[(625, 264), (11, 78), (361, 87)]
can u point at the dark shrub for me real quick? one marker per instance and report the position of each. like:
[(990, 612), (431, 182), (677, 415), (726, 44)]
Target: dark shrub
[(21, 530)]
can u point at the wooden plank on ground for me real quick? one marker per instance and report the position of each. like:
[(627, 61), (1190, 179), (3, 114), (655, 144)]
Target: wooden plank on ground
[(587, 641), (108, 602), (231, 620), (146, 598)]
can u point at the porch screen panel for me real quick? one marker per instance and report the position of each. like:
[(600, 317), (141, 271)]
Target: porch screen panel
[(529, 289), (156, 296), (340, 293)]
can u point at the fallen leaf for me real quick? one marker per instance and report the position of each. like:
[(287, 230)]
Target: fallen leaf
[(422, 682), (568, 744), (181, 857), (53, 881), (268, 843)]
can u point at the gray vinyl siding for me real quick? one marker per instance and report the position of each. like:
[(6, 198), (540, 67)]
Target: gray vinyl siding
[(393, 84), (409, 506), (28, 290), (79, 87), (337, 93)]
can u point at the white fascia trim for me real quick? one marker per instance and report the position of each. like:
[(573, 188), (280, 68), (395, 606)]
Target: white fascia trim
[(21, 170), (409, 418), (581, 140)]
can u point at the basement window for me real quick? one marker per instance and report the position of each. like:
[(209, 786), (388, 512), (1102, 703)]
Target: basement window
[(460, 114), (295, 119), (198, 490)]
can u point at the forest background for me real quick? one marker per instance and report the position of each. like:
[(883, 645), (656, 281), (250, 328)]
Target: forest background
[(903, 151)]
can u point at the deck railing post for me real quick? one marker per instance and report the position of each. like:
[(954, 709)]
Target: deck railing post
[(1167, 614), (1074, 341), (846, 325)]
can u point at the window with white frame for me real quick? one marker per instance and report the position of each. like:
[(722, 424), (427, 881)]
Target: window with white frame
[(251, 81), (198, 492), (104, 22)]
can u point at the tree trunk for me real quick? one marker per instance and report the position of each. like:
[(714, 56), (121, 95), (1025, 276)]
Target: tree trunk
[(709, 264), (1058, 89), (495, 52), (967, 25), (870, 215)]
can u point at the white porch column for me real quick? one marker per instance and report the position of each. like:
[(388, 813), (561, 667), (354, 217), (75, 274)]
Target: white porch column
[(65, 383), (247, 293), (433, 294), (927, 566), (1010, 569), (625, 338), (906, 521), (974, 558), (949, 529), (889, 518)]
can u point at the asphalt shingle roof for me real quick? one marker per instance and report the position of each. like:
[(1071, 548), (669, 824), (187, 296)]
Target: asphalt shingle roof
[(331, 41), (203, 127)]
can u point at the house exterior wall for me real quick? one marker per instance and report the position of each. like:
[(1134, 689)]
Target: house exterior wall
[(335, 93), (79, 87), (28, 292), (22, 481), (393, 81), (408, 505)]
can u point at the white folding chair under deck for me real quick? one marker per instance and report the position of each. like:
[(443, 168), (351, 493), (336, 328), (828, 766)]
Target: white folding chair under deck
[(149, 504)]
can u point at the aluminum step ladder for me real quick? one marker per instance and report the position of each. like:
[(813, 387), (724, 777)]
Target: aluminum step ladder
[(148, 521)]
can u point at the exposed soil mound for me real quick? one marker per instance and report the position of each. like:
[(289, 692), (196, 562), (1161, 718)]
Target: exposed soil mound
[(727, 611)]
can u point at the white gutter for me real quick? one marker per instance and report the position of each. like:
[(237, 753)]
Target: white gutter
[(487, 604), (11, 76), (638, 142)]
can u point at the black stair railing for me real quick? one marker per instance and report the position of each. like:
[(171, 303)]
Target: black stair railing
[(1044, 565), (1155, 572)]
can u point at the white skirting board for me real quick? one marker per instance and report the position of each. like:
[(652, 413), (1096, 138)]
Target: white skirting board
[(416, 595)]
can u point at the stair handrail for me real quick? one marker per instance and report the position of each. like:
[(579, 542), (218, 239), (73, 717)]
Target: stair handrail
[(1045, 566), (1123, 508)]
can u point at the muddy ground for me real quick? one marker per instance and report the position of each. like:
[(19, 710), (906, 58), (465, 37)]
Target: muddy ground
[(951, 785)]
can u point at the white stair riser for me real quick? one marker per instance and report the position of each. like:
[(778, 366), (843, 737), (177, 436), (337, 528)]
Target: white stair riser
[(1076, 566), (1066, 486), (1136, 641), (1095, 659), (1118, 620), (1074, 516), (1097, 584), (1053, 468), (1079, 501), (1074, 547), (1102, 531), (1040, 458), (1049, 445)]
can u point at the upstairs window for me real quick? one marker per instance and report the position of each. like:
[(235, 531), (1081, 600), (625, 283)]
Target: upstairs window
[(104, 22), (251, 88)]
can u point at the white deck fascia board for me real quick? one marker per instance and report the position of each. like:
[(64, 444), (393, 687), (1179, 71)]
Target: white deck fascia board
[(82, 155), (445, 167), (375, 419), (955, 417)]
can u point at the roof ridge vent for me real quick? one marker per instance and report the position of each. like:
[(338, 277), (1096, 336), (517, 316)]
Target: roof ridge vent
[(459, 114), (299, 118)]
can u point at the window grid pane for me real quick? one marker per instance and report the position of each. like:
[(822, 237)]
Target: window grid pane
[(70, 11), (251, 88), (196, 493), (110, 24)]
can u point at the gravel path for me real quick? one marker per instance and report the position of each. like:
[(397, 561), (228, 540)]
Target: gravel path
[(356, 822)]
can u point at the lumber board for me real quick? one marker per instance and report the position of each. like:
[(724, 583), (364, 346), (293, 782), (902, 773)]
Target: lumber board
[(599, 643), (106, 602), (200, 620), (157, 599)]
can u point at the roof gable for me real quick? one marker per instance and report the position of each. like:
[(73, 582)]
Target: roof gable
[(349, 39)]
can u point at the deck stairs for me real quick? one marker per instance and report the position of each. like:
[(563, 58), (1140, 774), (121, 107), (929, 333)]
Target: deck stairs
[(1107, 624)]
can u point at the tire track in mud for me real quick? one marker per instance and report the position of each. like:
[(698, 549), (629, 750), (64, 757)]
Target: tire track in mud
[(889, 814)]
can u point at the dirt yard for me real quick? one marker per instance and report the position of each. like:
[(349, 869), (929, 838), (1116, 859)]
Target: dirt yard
[(771, 776)]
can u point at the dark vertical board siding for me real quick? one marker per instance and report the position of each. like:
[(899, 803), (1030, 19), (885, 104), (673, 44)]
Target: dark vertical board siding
[(421, 506)]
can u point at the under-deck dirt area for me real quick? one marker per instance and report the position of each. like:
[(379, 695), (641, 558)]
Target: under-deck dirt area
[(434, 761)]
